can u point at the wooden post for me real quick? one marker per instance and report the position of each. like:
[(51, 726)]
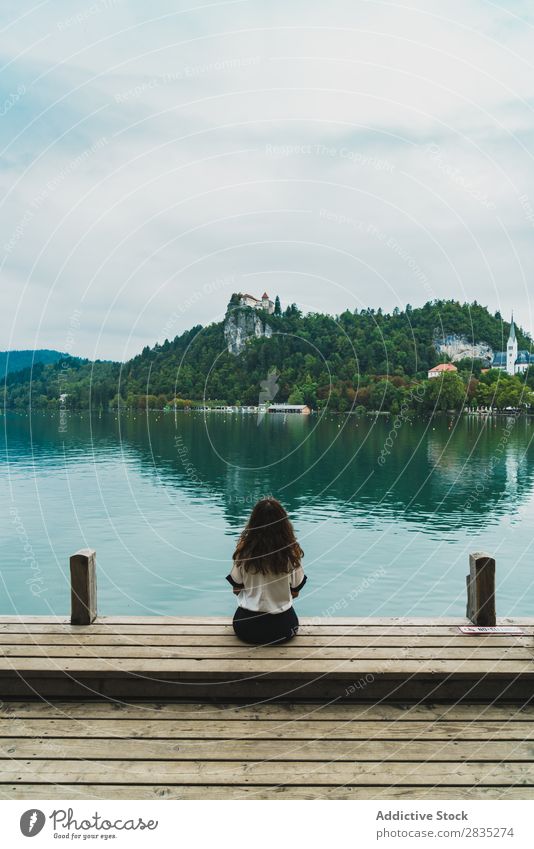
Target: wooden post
[(83, 587), (481, 590)]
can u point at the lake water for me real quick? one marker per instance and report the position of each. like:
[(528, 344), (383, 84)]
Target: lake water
[(162, 499)]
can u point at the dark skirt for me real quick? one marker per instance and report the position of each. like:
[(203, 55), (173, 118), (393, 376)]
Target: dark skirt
[(265, 629)]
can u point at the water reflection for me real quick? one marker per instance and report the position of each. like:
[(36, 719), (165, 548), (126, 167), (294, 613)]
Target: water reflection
[(143, 488), (462, 469)]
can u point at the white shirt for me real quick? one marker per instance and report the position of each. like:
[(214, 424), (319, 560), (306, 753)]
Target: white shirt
[(266, 593)]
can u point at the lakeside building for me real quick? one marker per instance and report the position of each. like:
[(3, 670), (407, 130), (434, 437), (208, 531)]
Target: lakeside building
[(512, 361), (303, 409), (440, 369), (263, 303)]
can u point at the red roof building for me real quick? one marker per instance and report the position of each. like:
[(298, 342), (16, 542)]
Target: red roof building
[(440, 369)]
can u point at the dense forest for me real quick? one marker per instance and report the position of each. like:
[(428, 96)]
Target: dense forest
[(361, 360)]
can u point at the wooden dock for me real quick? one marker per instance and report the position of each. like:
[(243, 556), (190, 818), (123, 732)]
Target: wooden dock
[(167, 707), (201, 659), (145, 750), (177, 708)]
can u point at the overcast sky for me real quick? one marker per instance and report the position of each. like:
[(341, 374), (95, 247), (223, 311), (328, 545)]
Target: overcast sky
[(340, 154)]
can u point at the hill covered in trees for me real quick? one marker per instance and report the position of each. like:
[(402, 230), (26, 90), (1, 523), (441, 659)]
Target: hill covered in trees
[(11, 361), (366, 359)]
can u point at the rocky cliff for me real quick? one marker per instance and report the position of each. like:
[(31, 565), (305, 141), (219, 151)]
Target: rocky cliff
[(242, 324), (459, 348)]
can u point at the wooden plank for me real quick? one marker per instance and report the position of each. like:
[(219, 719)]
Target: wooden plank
[(221, 668), (290, 653), (254, 751), (305, 620), (220, 630), (251, 688), (238, 772), (194, 729), (136, 620), (231, 792), (225, 620), (283, 712), (90, 639)]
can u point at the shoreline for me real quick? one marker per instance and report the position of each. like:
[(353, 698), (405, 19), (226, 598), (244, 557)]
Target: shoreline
[(254, 412)]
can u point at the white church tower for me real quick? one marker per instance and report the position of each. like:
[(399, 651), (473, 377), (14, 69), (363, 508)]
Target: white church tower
[(511, 349)]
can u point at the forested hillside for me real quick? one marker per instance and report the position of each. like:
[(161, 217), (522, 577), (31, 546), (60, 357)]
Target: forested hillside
[(11, 361), (365, 358)]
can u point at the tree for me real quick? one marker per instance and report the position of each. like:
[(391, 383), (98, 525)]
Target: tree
[(382, 395), (470, 367), (445, 393), (296, 396), (292, 311), (277, 307), (309, 391)]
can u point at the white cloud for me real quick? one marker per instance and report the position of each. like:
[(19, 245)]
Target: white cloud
[(155, 156)]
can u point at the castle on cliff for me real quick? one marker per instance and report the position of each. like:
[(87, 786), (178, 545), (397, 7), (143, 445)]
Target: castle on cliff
[(240, 325), (263, 303)]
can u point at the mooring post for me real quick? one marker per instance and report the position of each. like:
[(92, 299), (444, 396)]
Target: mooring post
[(481, 590), (83, 587)]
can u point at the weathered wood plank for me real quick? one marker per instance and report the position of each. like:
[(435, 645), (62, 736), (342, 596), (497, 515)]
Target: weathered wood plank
[(229, 640), (349, 622), (220, 630), (290, 653), (230, 792), (220, 667), (254, 751), (200, 621), (281, 712), (195, 729), (251, 689), (225, 620), (237, 772)]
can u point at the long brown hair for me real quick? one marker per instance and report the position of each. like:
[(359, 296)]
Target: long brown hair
[(268, 543)]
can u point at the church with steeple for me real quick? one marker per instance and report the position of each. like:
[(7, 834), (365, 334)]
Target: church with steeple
[(512, 361)]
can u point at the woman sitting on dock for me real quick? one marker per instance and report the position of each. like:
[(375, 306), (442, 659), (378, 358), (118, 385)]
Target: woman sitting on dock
[(266, 576)]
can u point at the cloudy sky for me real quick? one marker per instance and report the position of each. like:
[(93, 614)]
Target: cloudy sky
[(158, 156)]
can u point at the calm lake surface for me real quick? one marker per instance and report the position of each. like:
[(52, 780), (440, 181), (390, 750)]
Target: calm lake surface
[(162, 499)]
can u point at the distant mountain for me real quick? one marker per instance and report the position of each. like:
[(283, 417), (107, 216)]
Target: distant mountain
[(11, 361)]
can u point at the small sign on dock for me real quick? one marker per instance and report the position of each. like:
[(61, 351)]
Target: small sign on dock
[(509, 630)]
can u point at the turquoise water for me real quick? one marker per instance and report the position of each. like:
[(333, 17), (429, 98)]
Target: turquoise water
[(162, 499)]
